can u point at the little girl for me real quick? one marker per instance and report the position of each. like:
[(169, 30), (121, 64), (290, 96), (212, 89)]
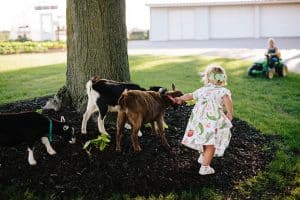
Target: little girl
[(208, 129)]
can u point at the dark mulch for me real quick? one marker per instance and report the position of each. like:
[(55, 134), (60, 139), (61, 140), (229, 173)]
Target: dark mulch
[(153, 171)]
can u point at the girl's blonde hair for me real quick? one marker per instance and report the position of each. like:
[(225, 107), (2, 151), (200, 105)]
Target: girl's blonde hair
[(215, 74), (271, 40)]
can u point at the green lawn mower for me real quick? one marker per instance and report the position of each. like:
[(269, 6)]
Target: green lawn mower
[(264, 67)]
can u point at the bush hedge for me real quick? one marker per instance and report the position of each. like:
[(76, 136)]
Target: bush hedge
[(29, 47)]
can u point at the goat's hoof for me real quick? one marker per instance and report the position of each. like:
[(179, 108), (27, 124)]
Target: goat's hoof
[(140, 134), (105, 133), (118, 150), (167, 146), (83, 132), (32, 163), (154, 133), (52, 152), (138, 149)]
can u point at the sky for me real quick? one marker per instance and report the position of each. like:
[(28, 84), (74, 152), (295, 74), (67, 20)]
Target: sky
[(137, 13)]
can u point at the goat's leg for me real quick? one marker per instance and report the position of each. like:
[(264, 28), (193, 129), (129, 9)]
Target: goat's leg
[(48, 146), (160, 124), (103, 108), (101, 127), (153, 128), (31, 159), (91, 108), (120, 125), (127, 126), (136, 125), (135, 140)]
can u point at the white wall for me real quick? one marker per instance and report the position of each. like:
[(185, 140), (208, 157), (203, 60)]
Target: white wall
[(280, 20), (159, 24), (232, 22), (181, 24), (218, 22), (174, 24), (202, 25)]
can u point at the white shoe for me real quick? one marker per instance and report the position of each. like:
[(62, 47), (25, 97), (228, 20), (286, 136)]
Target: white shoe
[(200, 159), (206, 170)]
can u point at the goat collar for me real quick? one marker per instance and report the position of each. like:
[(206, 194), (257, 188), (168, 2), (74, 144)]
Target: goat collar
[(172, 99), (50, 136)]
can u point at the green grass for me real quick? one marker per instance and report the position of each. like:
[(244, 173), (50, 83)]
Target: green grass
[(31, 82), (270, 105)]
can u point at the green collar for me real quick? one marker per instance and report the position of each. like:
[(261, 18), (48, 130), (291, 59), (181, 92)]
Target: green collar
[(50, 130)]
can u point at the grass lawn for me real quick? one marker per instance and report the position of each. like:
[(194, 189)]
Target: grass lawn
[(17, 61), (270, 105)]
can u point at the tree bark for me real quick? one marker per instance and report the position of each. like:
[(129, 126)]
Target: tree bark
[(97, 45)]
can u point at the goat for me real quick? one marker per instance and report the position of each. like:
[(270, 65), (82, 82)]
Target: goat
[(103, 96), (140, 107), (28, 127)]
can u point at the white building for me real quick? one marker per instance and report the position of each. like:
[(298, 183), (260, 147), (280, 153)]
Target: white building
[(221, 19), (40, 20)]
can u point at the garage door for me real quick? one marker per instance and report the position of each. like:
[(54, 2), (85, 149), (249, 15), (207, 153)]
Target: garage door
[(280, 21), (159, 24), (232, 22), (181, 24)]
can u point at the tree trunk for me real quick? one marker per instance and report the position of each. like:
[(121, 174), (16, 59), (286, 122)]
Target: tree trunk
[(97, 45)]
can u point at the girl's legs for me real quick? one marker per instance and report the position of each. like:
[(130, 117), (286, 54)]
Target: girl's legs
[(208, 154)]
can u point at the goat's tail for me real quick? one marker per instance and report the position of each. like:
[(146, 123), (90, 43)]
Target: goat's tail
[(88, 87), (122, 100)]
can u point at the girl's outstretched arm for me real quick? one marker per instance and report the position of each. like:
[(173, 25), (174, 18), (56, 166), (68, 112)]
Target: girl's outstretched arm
[(228, 105), (185, 97)]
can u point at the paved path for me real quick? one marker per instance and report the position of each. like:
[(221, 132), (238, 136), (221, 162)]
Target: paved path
[(248, 49)]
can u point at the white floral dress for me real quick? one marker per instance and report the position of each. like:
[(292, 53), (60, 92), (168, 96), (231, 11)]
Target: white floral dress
[(208, 125)]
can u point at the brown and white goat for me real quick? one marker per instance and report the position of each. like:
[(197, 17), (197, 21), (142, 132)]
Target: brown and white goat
[(103, 96), (140, 107)]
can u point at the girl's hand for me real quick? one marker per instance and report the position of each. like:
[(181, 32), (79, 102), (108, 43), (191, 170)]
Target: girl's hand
[(178, 100)]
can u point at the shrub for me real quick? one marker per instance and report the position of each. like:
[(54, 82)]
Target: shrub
[(4, 35), (138, 35), (29, 47)]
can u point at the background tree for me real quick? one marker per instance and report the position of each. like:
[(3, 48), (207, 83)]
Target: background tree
[(97, 45)]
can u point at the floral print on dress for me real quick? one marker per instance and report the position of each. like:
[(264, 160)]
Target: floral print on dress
[(208, 125)]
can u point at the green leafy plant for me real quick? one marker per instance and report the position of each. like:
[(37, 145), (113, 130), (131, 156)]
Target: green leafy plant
[(101, 142), (9, 47), (191, 102), (39, 111)]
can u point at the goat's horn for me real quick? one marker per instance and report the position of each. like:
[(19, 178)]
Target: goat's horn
[(173, 86)]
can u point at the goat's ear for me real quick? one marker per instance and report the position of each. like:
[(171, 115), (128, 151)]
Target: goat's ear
[(125, 92), (62, 119), (173, 87), (162, 90)]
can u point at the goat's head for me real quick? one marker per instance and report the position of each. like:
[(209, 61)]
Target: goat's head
[(65, 130), (95, 79), (169, 96)]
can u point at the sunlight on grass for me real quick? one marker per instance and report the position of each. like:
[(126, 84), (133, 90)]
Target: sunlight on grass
[(30, 60), (158, 63)]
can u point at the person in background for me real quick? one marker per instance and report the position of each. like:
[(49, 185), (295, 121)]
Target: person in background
[(273, 52)]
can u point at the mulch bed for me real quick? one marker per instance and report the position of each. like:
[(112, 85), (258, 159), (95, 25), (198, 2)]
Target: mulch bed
[(152, 171)]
